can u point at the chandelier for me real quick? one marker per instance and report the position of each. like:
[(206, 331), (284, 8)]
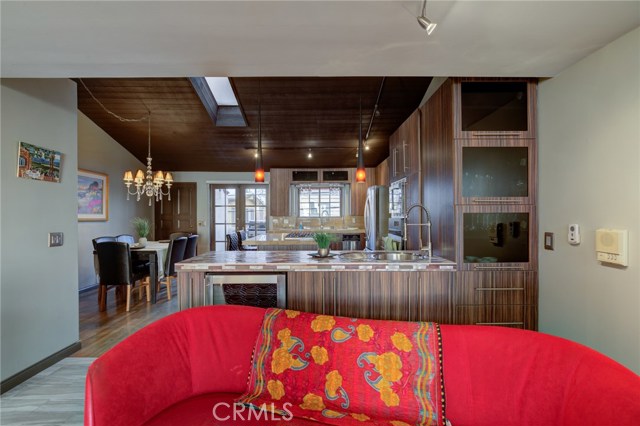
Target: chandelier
[(150, 184)]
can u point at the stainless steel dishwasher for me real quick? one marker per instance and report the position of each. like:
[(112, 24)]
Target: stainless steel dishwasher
[(261, 290)]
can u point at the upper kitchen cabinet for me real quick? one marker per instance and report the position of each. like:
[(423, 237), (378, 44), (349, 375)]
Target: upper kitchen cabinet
[(279, 182), (404, 148), (495, 171), (490, 108)]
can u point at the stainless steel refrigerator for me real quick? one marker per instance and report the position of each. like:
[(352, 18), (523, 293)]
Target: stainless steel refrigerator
[(376, 216)]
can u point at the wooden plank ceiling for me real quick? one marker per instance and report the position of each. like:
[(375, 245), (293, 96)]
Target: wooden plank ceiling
[(298, 114)]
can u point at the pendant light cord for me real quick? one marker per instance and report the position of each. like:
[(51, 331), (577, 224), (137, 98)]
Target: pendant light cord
[(126, 120)]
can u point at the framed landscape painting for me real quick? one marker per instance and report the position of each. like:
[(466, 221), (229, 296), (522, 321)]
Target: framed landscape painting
[(35, 162), (93, 196)]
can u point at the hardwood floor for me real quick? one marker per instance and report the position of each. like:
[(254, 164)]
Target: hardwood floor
[(100, 331)]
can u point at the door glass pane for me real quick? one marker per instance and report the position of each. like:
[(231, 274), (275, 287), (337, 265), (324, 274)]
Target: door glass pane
[(224, 215), (255, 223)]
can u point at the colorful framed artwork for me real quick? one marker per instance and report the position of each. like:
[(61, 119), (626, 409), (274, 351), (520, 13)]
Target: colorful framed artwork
[(38, 163), (93, 196)]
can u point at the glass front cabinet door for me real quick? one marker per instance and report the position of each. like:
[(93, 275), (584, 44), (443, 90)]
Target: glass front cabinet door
[(497, 238), (495, 171), (487, 108)]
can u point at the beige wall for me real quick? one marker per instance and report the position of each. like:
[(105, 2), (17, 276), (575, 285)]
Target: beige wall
[(38, 284), (98, 152), (589, 138)]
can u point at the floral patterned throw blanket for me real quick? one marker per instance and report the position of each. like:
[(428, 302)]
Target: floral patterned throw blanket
[(347, 371)]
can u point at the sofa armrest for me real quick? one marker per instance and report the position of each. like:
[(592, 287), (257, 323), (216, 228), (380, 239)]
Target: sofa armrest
[(197, 351)]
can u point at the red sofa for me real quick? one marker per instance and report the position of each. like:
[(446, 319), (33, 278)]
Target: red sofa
[(174, 371)]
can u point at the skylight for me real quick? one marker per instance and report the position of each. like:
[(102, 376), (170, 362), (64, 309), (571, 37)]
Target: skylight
[(222, 91)]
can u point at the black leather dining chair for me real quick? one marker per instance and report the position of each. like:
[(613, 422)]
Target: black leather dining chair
[(242, 235), (175, 235), (192, 245), (175, 254), (126, 238), (97, 240), (232, 241), (116, 269)]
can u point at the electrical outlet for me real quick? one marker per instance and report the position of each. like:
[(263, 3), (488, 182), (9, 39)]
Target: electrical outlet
[(56, 239)]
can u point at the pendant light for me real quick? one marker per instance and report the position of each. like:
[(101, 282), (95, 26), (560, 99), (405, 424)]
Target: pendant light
[(259, 174), (361, 174)]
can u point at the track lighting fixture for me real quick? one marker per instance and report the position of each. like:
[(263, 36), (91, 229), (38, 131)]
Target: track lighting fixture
[(425, 22)]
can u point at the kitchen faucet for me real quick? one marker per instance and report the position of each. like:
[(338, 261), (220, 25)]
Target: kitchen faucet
[(426, 248), (324, 213)]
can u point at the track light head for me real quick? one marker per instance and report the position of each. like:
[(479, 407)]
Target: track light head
[(426, 24)]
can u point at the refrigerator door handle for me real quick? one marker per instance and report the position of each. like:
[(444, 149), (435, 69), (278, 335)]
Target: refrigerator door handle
[(367, 220)]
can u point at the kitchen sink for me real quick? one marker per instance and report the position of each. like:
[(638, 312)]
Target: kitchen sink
[(398, 256), (358, 256), (391, 256)]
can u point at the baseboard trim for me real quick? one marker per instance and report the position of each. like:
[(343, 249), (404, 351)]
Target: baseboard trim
[(39, 366), (86, 289)]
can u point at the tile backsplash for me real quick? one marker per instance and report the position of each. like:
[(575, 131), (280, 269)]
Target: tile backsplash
[(293, 222)]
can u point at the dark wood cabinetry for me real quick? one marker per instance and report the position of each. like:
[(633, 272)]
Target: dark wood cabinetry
[(494, 107), (279, 182), (404, 148), (393, 295), (311, 292), (495, 171), (478, 160), (507, 298)]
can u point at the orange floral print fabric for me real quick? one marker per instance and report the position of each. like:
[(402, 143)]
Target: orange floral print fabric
[(347, 371)]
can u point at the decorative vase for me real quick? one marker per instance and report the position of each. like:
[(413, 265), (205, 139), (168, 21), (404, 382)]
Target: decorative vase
[(142, 241), (323, 252)]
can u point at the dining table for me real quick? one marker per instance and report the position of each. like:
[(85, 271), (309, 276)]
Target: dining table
[(153, 252)]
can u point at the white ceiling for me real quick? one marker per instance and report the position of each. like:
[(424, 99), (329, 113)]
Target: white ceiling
[(304, 38)]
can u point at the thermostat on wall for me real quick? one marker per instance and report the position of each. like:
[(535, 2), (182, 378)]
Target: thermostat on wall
[(612, 246)]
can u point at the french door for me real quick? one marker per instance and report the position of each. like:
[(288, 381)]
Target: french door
[(238, 207)]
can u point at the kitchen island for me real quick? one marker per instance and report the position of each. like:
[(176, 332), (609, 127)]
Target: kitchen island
[(416, 290)]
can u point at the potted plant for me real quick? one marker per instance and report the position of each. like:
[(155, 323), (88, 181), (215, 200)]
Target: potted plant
[(142, 227), (323, 240)]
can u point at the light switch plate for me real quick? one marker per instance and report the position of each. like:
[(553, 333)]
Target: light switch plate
[(548, 240), (56, 239)]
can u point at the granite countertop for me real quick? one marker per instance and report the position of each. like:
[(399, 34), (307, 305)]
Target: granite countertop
[(282, 261)]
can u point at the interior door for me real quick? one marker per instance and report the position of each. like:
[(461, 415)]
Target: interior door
[(177, 214), (238, 207)]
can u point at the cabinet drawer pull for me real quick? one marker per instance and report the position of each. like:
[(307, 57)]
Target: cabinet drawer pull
[(335, 295), (404, 156), (490, 134), (323, 299), (500, 323), (499, 268), (500, 289), (492, 201)]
